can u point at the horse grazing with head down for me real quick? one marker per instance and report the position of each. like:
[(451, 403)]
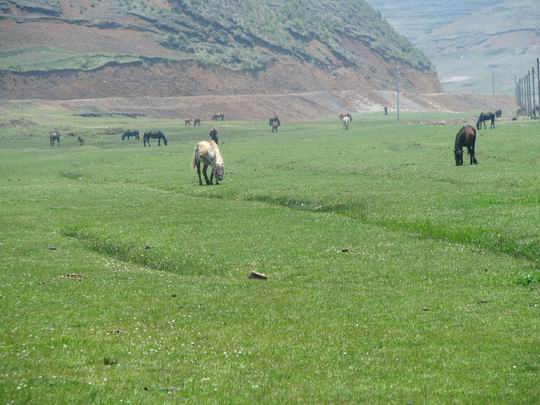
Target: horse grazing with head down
[(208, 153), (466, 136), (130, 133), (483, 117), (54, 136), (154, 135)]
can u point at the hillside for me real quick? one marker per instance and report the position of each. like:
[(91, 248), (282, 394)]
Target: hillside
[(415, 19), (466, 41), (93, 48)]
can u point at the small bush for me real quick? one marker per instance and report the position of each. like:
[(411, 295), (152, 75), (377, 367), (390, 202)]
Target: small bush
[(528, 279)]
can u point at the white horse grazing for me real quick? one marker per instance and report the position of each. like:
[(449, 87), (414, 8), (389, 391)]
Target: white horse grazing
[(346, 122), (207, 153)]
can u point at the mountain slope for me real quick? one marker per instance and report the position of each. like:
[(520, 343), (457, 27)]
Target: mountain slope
[(466, 41), (415, 19), (68, 48)]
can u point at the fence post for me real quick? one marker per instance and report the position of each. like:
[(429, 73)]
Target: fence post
[(528, 84), (533, 95), (538, 82)]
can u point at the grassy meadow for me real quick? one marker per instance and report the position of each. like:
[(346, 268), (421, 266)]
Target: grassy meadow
[(394, 276)]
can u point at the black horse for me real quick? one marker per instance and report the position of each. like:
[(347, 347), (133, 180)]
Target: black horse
[(154, 135), (498, 113), (130, 133), (274, 123), (466, 136), (485, 117), (54, 136)]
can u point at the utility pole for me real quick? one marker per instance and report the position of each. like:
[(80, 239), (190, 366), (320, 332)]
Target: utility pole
[(397, 90), (493, 83)]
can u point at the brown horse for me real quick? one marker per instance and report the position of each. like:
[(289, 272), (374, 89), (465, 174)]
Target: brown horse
[(197, 122), (466, 136), (54, 136), (81, 140), (219, 116), (187, 123), (345, 114)]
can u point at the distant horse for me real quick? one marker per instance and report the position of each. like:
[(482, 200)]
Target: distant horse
[(485, 117), (187, 123), (345, 114), (346, 122), (81, 140), (197, 122), (466, 136), (219, 116), (54, 136), (498, 113), (130, 133), (274, 123), (154, 135), (207, 153)]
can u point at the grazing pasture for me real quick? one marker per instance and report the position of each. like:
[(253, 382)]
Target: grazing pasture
[(393, 275)]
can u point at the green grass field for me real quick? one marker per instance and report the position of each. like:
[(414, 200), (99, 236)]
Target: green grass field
[(394, 276)]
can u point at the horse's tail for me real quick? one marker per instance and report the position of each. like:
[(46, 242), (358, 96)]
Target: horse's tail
[(194, 160)]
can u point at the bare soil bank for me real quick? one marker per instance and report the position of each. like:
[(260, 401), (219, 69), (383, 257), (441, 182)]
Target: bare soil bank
[(290, 106)]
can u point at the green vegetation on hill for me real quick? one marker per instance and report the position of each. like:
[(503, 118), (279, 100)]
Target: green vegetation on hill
[(41, 59), (239, 35)]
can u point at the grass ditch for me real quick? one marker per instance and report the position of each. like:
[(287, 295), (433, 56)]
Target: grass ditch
[(141, 254), (479, 238)]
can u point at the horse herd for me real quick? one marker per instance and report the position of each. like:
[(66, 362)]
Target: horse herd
[(207, 153)]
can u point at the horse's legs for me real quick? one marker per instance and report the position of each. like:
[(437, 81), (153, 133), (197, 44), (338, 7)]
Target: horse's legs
[(159, 141), (199, 172), (205, 167), (212, 175), (473, 156)]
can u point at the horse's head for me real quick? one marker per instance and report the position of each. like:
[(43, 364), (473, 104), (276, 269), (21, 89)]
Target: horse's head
[(219, 171), (458, 154)]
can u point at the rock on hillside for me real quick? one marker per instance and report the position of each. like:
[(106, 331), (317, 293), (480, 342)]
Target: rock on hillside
[(62, 49)]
